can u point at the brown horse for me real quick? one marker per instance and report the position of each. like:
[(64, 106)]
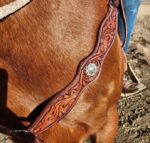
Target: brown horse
[(41, 46)]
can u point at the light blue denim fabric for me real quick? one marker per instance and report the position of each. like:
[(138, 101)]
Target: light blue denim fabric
[(131, 8)]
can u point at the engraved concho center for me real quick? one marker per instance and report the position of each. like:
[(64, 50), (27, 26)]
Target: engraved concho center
[(91, 69)]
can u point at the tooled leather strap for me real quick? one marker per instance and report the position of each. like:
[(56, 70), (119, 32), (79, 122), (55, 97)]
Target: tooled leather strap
[(89, 70)]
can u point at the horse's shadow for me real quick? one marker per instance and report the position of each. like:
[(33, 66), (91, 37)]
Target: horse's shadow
[(7, 117)]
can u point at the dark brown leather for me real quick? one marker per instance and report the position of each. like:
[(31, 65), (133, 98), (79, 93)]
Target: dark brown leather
[(122, 13), (5, 130), (119, 4), (115, 3)]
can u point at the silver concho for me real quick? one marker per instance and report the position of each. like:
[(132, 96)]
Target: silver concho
[(91, 69)]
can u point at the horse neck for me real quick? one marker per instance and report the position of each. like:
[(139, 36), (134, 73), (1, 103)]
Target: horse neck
[(53, 36), (67, 32)]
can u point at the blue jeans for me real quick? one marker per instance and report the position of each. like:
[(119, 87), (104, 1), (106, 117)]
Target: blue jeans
[(131, 8)]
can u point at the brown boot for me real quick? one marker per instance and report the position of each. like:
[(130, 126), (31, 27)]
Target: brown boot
[(133, 85)]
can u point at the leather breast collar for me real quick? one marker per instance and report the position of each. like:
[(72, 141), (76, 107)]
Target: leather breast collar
[(88, 71)]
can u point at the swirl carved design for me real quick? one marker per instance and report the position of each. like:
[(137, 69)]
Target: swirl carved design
[(65, 100)]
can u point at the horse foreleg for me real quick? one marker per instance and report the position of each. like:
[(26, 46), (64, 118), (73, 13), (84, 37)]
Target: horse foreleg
[(108, 133)]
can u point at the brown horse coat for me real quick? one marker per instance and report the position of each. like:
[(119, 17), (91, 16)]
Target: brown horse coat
[(40, 48)]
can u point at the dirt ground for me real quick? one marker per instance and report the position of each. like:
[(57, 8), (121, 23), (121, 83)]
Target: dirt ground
[(134, 111)]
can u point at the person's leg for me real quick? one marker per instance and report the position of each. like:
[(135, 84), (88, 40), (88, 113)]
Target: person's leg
[(131, 9)]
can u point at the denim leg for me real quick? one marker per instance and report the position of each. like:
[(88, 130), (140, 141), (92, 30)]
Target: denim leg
[(131, 8)]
